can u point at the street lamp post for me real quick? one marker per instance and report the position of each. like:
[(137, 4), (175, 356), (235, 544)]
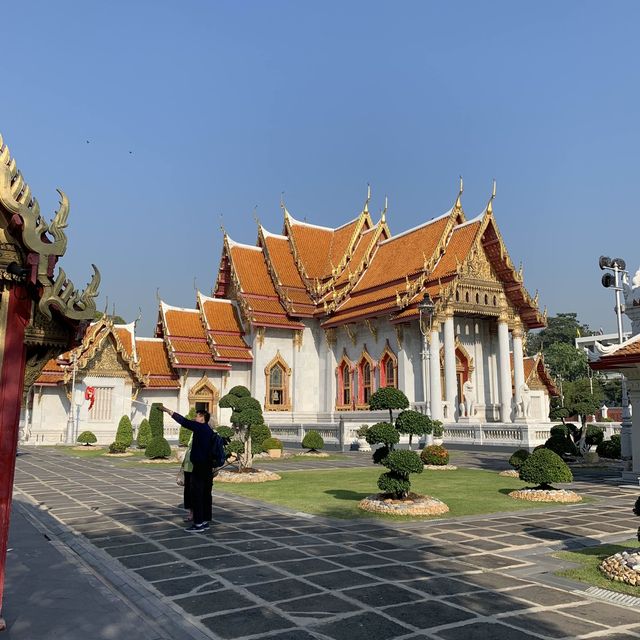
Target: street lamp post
[(616, 268), (71, 422), (425, 308)]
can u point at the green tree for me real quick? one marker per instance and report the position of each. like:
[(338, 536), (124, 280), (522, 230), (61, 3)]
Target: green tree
[(388, 398), (564, 327), (583, 398), (124, 434), (565, 360), (612, 388), (245, 412), (184, 435)]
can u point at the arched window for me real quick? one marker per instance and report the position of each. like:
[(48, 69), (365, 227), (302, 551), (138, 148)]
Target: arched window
[(203, 396), (344, 374), (388, 368), (366, 368), (277, 374)]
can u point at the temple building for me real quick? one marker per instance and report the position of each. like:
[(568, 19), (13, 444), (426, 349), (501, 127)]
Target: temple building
[(313, 320)]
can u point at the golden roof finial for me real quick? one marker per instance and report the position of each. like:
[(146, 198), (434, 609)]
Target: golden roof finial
[(224, 231), (135, 322), (158, 298), (195, 286), (365, 209), (255, 215), (458, 204), (383, 214), (491, 199)]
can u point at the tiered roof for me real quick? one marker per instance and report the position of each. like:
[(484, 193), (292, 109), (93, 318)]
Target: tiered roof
[(154, 364), (618, 356)]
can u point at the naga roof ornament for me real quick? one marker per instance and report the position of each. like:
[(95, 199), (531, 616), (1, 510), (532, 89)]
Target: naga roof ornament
[(46, 243)]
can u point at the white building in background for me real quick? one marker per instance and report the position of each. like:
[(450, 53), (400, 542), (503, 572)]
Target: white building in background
[(313, 321)]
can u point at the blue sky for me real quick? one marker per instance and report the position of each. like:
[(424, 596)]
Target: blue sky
[(157, 117)]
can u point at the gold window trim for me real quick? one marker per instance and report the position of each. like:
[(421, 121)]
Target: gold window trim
[(388, 354), (277, 360), (351, 365)]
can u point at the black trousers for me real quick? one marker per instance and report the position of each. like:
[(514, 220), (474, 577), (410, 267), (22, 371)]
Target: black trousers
[(186, 493), (201, 486)]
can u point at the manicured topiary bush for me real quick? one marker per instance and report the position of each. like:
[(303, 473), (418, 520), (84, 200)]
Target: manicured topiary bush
[(234, 447), (595, 435), (385, 434), (271, 443), (543, 468), (438, 429), (396, 481), (561, 445), (87, 438), (246, 412), (559, 430), (124, 434), (413, 423), (518, 457), (610, 448), (312, 441), (388, 398), (434, 454), (144, 434), (118, 447), (156, 420), (226, 433), (158, 448), (259, 433)]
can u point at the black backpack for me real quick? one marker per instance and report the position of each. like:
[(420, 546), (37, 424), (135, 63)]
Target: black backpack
[(218, 455)]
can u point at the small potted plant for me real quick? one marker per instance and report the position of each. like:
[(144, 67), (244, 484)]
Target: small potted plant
[(273, 447), (361, 433), (438, 432)]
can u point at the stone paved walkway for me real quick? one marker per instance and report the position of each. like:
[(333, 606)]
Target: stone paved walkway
[(265, 572)]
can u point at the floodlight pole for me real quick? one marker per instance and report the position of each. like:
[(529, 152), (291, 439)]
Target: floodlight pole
[(71, 422)]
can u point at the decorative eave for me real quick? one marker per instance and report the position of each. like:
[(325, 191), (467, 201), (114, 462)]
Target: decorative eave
[(93, 341), (46, 243)]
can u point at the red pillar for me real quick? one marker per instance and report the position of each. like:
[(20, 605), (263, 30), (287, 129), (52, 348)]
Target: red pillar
[(11, 386)]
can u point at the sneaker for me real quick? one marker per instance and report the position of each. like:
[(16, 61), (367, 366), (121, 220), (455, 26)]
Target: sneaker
[(206, 525), (194, 528)]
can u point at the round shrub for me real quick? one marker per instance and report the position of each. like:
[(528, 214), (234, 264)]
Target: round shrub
[(234, 446), (87, 438), (383, 433), (595, 435), (559, 430), (413, 423), (398, 486), (313, 441), (225, 432), (388, 398), (125, 431), (404, 462), (437, 429), (435, 454), (240, 392), (271, 443), (259, 433), (518, 457), (158, 447), (144, 434), (380, 454), (118, 447), (561, 445), (544, 467), (610, 448)]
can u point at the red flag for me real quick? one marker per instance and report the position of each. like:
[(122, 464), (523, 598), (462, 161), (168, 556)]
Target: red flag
[(90, 395)]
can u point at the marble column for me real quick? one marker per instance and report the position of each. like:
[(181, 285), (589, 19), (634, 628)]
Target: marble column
[(518, 363), (435, 387), (451, 388), (633, 389), (504, 369)]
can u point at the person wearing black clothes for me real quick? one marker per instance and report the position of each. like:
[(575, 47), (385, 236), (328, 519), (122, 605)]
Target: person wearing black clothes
[(202, 474)]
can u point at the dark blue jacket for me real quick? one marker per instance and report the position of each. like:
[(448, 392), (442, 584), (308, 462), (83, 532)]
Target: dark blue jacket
[(202, 437)]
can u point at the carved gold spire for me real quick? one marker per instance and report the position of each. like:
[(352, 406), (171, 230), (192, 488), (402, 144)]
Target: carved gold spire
[(458, 204), (365, 209), (492, 198)]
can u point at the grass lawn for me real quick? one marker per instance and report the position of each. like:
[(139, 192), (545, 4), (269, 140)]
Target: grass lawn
[(336, 492), (296, 457), (588, 561)]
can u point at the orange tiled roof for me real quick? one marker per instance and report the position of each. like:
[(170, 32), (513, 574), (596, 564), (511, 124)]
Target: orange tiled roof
[(627, 354), (186, 340), (257, 294), (52, 373), (154, 364), (224, 330), (125, 333)]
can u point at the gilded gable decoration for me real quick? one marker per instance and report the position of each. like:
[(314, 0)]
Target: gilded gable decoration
[(204, 391), (352, 332), (373, 329), (297, 338), (330, 337), (260, 331)]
